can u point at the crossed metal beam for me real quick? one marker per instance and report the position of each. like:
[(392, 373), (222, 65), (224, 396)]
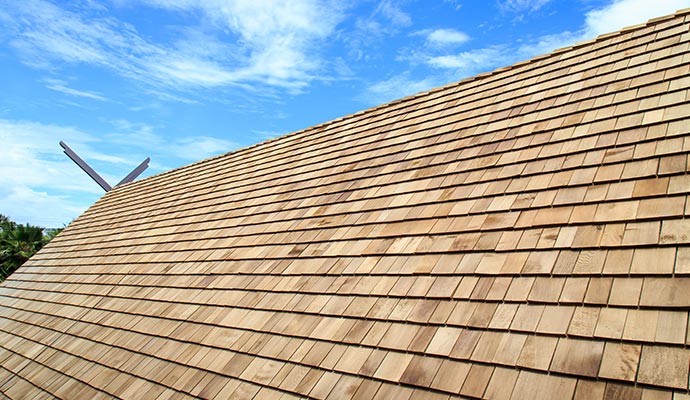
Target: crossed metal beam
[(97, 178)]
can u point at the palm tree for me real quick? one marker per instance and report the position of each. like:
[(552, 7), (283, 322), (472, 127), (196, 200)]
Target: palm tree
[(18, 243), (49, 234)]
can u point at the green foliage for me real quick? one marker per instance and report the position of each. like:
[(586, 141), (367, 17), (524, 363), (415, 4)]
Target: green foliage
[(19, 242)]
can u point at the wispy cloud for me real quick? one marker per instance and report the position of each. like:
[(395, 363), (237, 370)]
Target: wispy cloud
[(456, 4), (615, 16), (622, 13), (444, 37), (386, 20), (447, 66), (61, 86), (32, 155), (267, 135), (397, 87), (454, 64), (40, 184), (185, 148), (394, 13), (45, 33), (39, 207), (236, 43), (194, 148), (519, 6), (279, 42), (468, 62)]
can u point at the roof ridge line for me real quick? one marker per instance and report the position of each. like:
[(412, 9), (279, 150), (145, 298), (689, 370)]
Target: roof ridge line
[(466, 80)]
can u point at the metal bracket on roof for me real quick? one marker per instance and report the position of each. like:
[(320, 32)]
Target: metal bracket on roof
[(94, 175)]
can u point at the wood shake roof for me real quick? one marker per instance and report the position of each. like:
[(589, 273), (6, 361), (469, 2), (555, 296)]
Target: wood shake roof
[(523, 234)]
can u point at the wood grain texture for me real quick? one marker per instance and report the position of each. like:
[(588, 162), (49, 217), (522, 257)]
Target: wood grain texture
[(520, 234)]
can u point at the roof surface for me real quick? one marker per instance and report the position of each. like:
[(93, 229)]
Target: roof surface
[(520, 235)]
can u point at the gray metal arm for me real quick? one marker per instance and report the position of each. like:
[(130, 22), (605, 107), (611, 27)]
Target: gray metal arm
[(85, 167), (97, 178), (135, 172)]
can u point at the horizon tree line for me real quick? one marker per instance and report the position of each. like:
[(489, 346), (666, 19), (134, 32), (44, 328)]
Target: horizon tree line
[(18, 242)]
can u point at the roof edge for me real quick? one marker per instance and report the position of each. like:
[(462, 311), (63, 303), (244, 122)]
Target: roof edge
[(480, 76)]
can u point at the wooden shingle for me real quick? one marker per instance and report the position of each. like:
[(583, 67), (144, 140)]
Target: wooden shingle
[(521, 234)]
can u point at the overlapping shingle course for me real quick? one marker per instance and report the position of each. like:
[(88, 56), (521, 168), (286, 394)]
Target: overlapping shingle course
[(521, 234)]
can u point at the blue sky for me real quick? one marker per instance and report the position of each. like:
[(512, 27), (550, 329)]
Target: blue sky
[(183, 80)]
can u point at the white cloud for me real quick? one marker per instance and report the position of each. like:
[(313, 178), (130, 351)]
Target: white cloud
[(615, 16), (46, 33), (32, 166), (162, 95), (454, 66), (447, 37), (247, 43), (342, 69), (397, 87), (471, 61), (279, 39), (393, 13), (387, 20), (522, 5), (33, 157), (545, 44), (193, 72), (61, 86), (25, 205), (456, 4), (186, 148), (196, 148), (268, 135), (40, 185), (623, 13)]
